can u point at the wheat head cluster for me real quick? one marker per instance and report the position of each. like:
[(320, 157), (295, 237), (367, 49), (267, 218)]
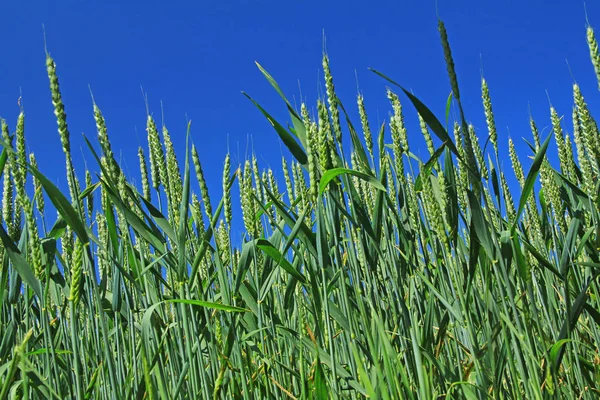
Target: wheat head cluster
[(363, 271)]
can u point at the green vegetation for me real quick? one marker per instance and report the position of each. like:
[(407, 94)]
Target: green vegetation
[(362, 277)]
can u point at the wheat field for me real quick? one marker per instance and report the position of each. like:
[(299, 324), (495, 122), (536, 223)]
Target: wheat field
[(365, 273)]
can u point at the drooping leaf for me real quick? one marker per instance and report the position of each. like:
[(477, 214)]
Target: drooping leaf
[(331, 174), (285, 136)]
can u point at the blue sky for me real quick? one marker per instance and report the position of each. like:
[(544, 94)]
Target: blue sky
[(197, 57)]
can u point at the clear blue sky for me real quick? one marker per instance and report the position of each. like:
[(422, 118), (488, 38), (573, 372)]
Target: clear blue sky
[(197, 59)]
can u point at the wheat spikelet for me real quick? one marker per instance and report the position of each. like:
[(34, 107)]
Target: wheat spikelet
[(326, 146), (156, 154), (122, 221), (17, 216), (582, 157), (34, 240), (288, 181), (202, 182), (399, 142), (67, 246), (391, 184), (226, 193), (588, 131), (594, 52), (426, 135), (448, 59), (175, 192), (247, 199), (413, 205), (20, 170), (305, 115), (559, 137), (61, 120), (492, 209), (516, 163), (8, 186), (444, 194), (463, 174), (144, 173), (275, 190), (571, 166), (296, 192), (474, 140), (489, 115), (313, 162), (301, 188), (260, 195), (333, 100), (433, 210), (76, 273), (508, 199), (39, 195), (105, 142), (89, 197), (535, 132), (552, 192), (222, 239), (197, 215), (365, 124), (102, 250)]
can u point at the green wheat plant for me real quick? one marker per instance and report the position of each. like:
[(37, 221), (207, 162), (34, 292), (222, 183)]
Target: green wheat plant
[(365, 272)]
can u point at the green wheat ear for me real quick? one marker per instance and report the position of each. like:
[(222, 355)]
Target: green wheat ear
[(489, 114), (426, 135), (594, 52), (201, 182), (508, 199), (246, 198), (275, 190), (478, 151), (77, 273), (8, 185), (588, 131), (535, 133), (175, 191), (39, 195), (105, 142), (226, 193), (571, 166), (399, 136), (61, 121), (144, 174), (288, 181), (197, 215), (332, 99), (365, 124), (90, 197), (559, 137), (260, 194), (34, 240), (582, 154), (326, 147), (156, 155), (313, 162), (448, 59), (18, 168), (516, 163), (21, 157)]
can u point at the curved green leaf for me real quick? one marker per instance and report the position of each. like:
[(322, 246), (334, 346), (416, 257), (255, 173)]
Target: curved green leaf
[(273, 253), (287, 138), (331, 174)]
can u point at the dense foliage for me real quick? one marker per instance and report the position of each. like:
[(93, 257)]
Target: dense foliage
[(365, 274)]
